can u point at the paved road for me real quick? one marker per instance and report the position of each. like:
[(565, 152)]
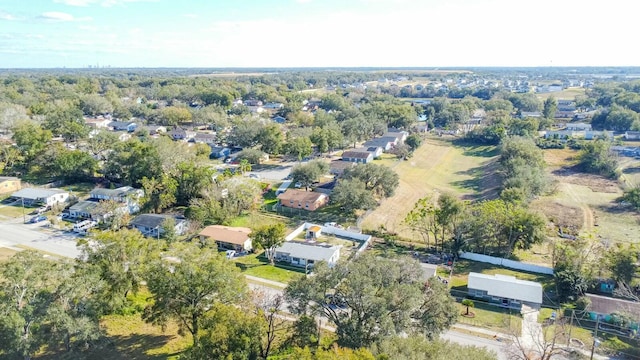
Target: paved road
[(36, 237), (466, 339)]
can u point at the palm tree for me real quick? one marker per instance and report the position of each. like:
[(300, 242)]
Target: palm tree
[(468, 303), (244, 166)]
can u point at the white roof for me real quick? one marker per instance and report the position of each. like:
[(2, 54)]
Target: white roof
[(309, 252), (36, 193), (505, 286)]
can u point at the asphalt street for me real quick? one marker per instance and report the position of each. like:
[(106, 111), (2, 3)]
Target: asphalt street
[(35, 236)]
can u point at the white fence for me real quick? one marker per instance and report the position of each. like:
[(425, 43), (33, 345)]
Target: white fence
[(507, 263)]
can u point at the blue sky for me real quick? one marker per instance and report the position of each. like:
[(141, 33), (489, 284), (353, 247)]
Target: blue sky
[(303, 33)]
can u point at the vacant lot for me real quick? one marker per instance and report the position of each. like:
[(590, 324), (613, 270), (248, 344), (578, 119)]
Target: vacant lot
[(566, 94), (586, 204), (437, 166)]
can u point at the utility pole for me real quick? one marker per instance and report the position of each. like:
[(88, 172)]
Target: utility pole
[(24, 217), (595, 337), (570, 326)]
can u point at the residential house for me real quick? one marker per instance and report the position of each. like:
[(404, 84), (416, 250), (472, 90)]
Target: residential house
[(632, 135), (606, 308), (337, 167), (228, 237), (156, 129), (590, 135), (307, 255), (530, 114), (152, 224), (283, 187), (578, 127), (253, 102), (400, 135), (385, 142), (300, 199), (375, 150), (360, 155), (9, 184), (218, 152), (256, 109), (128, 126), (125, 194), (326, 187), (87, 209), (178, 133), (505, 290), (273, 106), (35, 196), (205, 138), (99, 122)]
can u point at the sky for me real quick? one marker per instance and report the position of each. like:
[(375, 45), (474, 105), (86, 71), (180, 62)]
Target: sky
[(317, 33)]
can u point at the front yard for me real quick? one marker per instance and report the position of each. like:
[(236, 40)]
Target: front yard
[(258, 266)]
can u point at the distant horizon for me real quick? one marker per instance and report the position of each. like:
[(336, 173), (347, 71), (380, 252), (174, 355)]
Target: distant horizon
[(73, 34)]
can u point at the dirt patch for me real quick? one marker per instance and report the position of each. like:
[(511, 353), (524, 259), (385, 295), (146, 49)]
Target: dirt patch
[(568, 219), (594, 182)]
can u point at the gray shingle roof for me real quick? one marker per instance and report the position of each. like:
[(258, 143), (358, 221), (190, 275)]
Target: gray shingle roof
[(149, 220), (36, 193)]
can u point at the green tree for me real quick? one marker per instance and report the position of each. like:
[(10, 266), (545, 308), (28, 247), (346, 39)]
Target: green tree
[(270, 139), (228, 333), (379, 179), (468, 304), (377, 298), (173, 115), (30, 138), (45, 302), (192, 180), (252, 156), (120, 257), (269, 237), (418, 348), (299, 147), (187, 287), (159, 194), (596, 157), (353, 195), (307, 174), (632, 196), (621, 261), (101, 142), (550, 107), (131, 161), (413, 141)]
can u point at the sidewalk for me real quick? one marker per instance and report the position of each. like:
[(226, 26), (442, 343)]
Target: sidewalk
[(262, 281)]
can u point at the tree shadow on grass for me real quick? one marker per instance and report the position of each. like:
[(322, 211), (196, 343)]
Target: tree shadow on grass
[(631, 170), (481, 183)]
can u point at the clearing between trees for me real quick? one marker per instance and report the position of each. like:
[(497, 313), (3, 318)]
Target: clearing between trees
[(438, 165)]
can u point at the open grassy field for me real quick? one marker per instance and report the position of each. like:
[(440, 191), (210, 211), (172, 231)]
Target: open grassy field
[(566, 94), (438, 165), (586, 204), (5, 253)]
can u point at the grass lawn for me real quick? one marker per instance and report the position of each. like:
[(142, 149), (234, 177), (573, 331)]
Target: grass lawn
[(14, 211), (566, 94), (258, 266), (133, 338), (257, 219), (438, 165), (462, 268), (492, 317)]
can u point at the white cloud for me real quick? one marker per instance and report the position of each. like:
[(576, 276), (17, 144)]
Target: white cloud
[(75, 2), (62, 17), (56, 16), (6, 16)]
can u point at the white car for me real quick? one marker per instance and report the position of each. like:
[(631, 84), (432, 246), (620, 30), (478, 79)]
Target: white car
[(230, 254), (298, 185)]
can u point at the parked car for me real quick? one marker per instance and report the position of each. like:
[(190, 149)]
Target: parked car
[(298, 185), (37, 219), (230, 254)]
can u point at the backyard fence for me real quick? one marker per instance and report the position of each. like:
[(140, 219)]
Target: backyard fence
[(364, 239), (539, 269)]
